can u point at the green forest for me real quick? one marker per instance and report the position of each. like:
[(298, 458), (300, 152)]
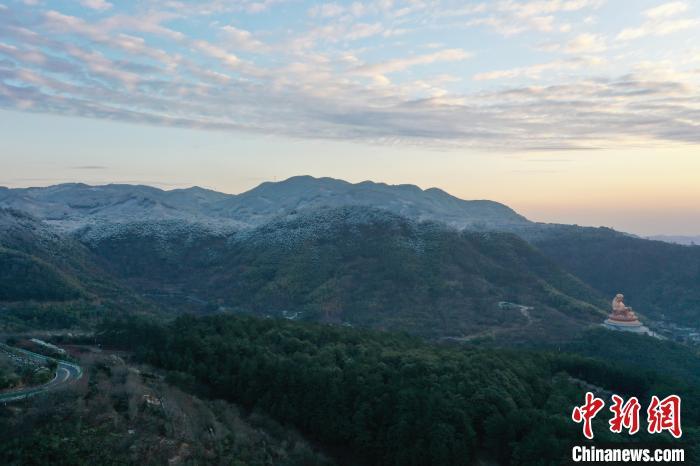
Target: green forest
[(391, 399), (661, 279), (25, 277), (383, 272), (502, 339)]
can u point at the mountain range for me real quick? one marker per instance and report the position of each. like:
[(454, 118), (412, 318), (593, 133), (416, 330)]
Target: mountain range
[(365, 254), (73, 206)]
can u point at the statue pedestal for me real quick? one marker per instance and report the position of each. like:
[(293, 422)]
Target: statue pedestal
[(633, 326)]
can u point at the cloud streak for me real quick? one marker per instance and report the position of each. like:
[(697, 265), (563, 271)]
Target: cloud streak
[(352, 73), (661, 20)]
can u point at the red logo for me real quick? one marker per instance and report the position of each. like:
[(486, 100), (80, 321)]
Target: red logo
[(665, 415), (662, 415), (625, 415), (587, 412)]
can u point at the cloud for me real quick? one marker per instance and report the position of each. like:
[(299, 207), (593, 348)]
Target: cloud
[(582, 44), (467, 10), (538, 7), (327, 10), (578, 114), (57, 22), (660, 28), (508, 17), (401, 64), (661, 21), (194, 8), (537, 70), (137, 46), (585, 44), (666, 10), (242, 39), (97, 4), (217, 52), (372, 72), (509, 26)]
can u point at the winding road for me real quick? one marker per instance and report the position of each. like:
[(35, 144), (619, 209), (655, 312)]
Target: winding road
[(66, 373)]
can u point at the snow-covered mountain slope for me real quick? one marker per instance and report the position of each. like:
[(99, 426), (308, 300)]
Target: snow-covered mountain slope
[(305, 192), (74, 206), (19, 230), (358, 265), (37, 262)]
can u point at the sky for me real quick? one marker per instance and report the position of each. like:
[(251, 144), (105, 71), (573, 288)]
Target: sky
[(573, 111)]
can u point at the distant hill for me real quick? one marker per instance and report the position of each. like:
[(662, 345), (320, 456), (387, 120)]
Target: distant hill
[(72, 206), (308, 193)]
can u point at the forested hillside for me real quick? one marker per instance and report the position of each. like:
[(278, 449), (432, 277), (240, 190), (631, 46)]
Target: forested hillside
[(657, 278), (384, 399), (202, 250), (49, 280), (33, 252), (319, 249), (24, 277), (362, 267), (108, 421)]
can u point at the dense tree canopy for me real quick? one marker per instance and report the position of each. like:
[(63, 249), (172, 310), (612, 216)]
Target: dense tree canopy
[(388, 399), (659, 279), (25, 277), (364, 267)]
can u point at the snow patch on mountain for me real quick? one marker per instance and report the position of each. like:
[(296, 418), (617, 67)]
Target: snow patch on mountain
[(76, 207), (292, 230), (162, 230)]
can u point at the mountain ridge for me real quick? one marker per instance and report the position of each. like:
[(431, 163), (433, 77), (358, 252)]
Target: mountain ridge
[(159, 238), (71, 206)]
